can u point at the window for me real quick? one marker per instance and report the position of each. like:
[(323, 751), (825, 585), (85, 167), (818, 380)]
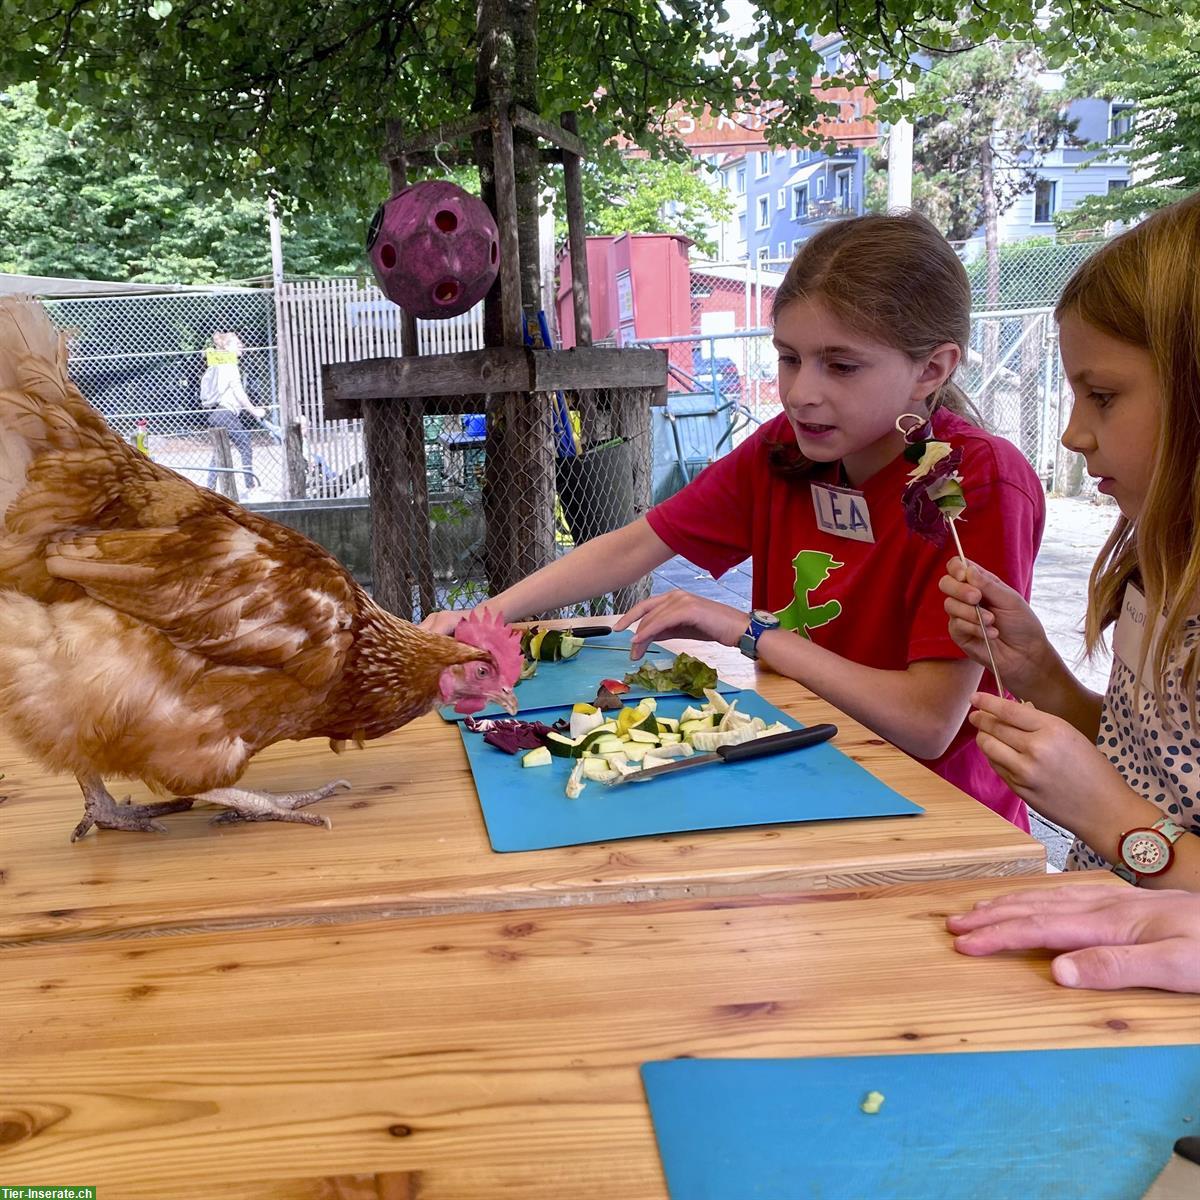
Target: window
[(1044, 197), (764, 253), (796, 246), (764, 211), (1120, 121), (741, 181), (780, 152), (1117, 185), (841, 184), (781, 251), (833, 60), (764, 164), (781, 199), (742, 227), (820, 186), (799, 201)]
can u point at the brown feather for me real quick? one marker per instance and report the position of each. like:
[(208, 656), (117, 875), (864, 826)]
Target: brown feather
[(152, 629)]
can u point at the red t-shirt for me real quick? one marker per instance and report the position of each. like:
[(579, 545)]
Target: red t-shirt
[(878, 602)]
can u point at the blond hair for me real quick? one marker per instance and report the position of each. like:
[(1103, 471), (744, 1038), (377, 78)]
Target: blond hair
[(895, 278), (1144, 288)]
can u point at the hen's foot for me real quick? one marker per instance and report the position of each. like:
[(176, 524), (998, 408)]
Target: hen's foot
[(101, 810), (245, 805)]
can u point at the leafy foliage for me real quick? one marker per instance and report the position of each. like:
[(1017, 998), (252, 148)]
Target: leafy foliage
[(986, 95), (296, 96), (69, 206), (1157, 74), (648, 195)]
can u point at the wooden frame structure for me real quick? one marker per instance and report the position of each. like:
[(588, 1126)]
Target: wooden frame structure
[(615, 388)]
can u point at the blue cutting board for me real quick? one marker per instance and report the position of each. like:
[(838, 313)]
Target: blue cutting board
[(1019, 1125), (577, 679), (525, 808)]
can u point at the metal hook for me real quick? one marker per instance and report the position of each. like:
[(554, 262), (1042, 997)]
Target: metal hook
[(919, 431), (438, 157)]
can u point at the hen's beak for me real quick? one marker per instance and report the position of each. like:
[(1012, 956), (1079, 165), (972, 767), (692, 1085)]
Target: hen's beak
[(507, 699)]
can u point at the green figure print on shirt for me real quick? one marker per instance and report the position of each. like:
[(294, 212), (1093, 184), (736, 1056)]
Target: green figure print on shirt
[(812, 569)]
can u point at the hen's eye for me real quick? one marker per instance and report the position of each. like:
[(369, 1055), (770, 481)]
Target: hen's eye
[(481, 671)]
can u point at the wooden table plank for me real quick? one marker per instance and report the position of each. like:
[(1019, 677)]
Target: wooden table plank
[(487, 1055), (410, 838)]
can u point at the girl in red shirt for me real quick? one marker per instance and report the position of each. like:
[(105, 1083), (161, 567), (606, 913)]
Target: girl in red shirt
[(870, 321)]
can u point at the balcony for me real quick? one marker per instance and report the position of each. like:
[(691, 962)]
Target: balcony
[(826, 210)]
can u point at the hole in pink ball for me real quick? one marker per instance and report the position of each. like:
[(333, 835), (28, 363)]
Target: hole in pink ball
[(495, 253), (387, 255), (446, 221), (446, 292)]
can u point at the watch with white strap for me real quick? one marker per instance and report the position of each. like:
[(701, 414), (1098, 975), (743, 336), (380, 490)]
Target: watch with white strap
[(760, 622), (1147, 851)]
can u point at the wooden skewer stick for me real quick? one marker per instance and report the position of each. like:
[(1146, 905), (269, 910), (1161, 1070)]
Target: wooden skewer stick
[(978, 613)]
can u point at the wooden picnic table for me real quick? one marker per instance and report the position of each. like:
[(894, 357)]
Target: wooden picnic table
[(488, 1055), (410, 839)]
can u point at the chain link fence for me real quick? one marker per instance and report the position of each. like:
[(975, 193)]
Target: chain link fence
[(140, 359), (501, 487)]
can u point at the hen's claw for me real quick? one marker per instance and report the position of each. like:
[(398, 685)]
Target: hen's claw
[(244, 805), (101, 810)]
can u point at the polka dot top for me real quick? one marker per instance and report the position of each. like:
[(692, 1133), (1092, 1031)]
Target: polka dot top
[(1156, 750)]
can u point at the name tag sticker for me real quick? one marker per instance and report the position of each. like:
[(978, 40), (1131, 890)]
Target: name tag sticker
[(1130, 632), (842, 512)]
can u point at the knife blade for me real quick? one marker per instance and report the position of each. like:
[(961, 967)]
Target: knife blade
[(777, 743), (1180, 1178), (589, 631)]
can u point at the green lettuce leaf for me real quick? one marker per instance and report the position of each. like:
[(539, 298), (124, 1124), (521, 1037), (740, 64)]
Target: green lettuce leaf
[(686, 674)]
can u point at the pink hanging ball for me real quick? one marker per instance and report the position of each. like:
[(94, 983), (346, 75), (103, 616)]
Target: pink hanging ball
[(435, 249)]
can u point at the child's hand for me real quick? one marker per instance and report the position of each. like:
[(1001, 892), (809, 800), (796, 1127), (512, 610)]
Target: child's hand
[(1046, 761), (444, 622), (1023, 652), (683, 615), (1122, 937)]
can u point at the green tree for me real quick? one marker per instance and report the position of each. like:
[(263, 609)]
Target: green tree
[(69, 206), (1156, 73), (296, 97), (624, 194)]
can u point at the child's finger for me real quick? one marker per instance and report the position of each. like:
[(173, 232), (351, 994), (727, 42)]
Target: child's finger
[(1020, 716), (1006, 760)]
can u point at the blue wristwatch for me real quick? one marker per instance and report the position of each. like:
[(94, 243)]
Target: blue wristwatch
[(760, 622)]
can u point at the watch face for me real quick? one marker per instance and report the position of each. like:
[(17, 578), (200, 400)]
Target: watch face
[(1146, 851), (760, 616)]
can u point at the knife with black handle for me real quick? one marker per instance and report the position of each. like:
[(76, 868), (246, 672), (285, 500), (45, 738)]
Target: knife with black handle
[(1180, 1178), (777, 743)]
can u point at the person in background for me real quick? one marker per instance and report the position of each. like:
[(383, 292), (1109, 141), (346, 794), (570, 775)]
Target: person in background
[(1122, 770), (223, 396), (1115, 937)]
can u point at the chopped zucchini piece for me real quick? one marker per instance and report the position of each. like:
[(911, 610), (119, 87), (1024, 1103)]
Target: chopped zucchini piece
[(716, 700), (562, 746), (584, 722), (536, 758), (667, 739), (642, 736), (597, 769)]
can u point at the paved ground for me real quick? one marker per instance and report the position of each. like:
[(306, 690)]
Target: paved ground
[(1075, 531)]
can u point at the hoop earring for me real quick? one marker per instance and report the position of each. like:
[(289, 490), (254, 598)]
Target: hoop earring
[(919, 431)]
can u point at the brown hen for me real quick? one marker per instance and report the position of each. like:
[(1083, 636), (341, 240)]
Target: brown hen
[(151, 629)]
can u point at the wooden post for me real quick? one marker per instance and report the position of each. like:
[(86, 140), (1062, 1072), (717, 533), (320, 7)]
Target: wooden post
[(630, 417), (577, 239), (394, 440), (294, 462), (506, 220), (223, 453)]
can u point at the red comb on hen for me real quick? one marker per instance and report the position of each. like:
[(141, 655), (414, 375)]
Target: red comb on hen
[(487, 632)]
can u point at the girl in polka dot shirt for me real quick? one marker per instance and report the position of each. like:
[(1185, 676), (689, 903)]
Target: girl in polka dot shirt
[(1129, 332)]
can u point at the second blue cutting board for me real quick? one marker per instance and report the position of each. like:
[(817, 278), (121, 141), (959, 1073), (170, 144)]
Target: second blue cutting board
[(525, 808)]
